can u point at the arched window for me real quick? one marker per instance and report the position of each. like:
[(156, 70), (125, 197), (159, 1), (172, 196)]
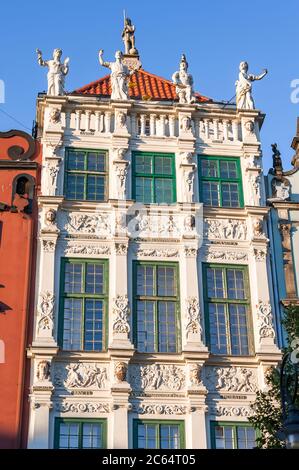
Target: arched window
[(23, 193)]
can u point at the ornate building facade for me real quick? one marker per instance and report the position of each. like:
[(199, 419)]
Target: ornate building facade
[(283, 197), (153, 323), (20, 179)]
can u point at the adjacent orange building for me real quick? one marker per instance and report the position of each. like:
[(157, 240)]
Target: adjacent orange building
[(19, 183)]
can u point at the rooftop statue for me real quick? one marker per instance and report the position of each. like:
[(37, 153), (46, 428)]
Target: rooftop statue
[(128, 36), (184, 83), (119, 75), (57, 72), (244, 86)]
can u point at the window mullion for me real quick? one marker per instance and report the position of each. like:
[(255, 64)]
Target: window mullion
[(157, 325), (83, 306), (236, 444), (158, 426)]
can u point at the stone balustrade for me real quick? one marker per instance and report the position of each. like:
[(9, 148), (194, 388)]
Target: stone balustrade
[(146, 124)]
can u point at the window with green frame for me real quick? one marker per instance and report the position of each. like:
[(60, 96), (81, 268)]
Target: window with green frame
[(227, 309), (220, 181), (83, 305), (152, 434), (225, 435), (154, 178), (156, 307), (80, 434), (86, 176)]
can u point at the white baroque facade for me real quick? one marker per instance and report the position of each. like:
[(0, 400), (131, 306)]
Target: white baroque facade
[(132, 299)]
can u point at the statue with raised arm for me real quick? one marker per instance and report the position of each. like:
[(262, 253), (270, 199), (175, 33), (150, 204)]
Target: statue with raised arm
[(128, 36), (244, 86), (120, 74), (57, 71), (184, 83)]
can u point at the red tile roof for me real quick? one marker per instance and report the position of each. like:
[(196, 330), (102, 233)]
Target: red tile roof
[(142, 85)]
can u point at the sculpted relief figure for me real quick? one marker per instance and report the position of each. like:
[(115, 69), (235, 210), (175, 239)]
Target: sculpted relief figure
[(119, 76), (244, 86), (57, 71), (184, 83), (128, 36)]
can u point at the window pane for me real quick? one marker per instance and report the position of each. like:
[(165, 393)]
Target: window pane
[(167, 326), (73, 278), (235, 284), (92, 436), (210, 193), (147, 436), (143, 164), (228, 169), (218, 333), (144, 191), (224, 437), (94, 283), (230, 195), (209, 168), (146, 329), (76, 160), (238, 329), (163, 165), (93, 332), (95, 188), (246, 437), (96, 161), (166, 281), (69, 436), (75, 186), (72, 324), (145, 280), (169, 436), (215, 283), (163, 191)]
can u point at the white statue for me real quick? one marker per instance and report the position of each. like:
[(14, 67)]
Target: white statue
[(184, 83), (57, 72), (244, 86), (119, 76)]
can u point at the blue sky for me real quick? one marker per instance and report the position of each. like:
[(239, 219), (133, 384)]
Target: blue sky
[(214, 35)]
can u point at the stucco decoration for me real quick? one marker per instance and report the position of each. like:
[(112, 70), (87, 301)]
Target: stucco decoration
[(87, 250), (227, 256), (227, 229), (120, 371), (232, 411), (83, 407), (265, 320), (195, 374), (157, 377), (121, 312), (160, 409), (85, 375), (43, 370), (45, 311), (97, 225), (193, 316), (233, 379), (158, 252)]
